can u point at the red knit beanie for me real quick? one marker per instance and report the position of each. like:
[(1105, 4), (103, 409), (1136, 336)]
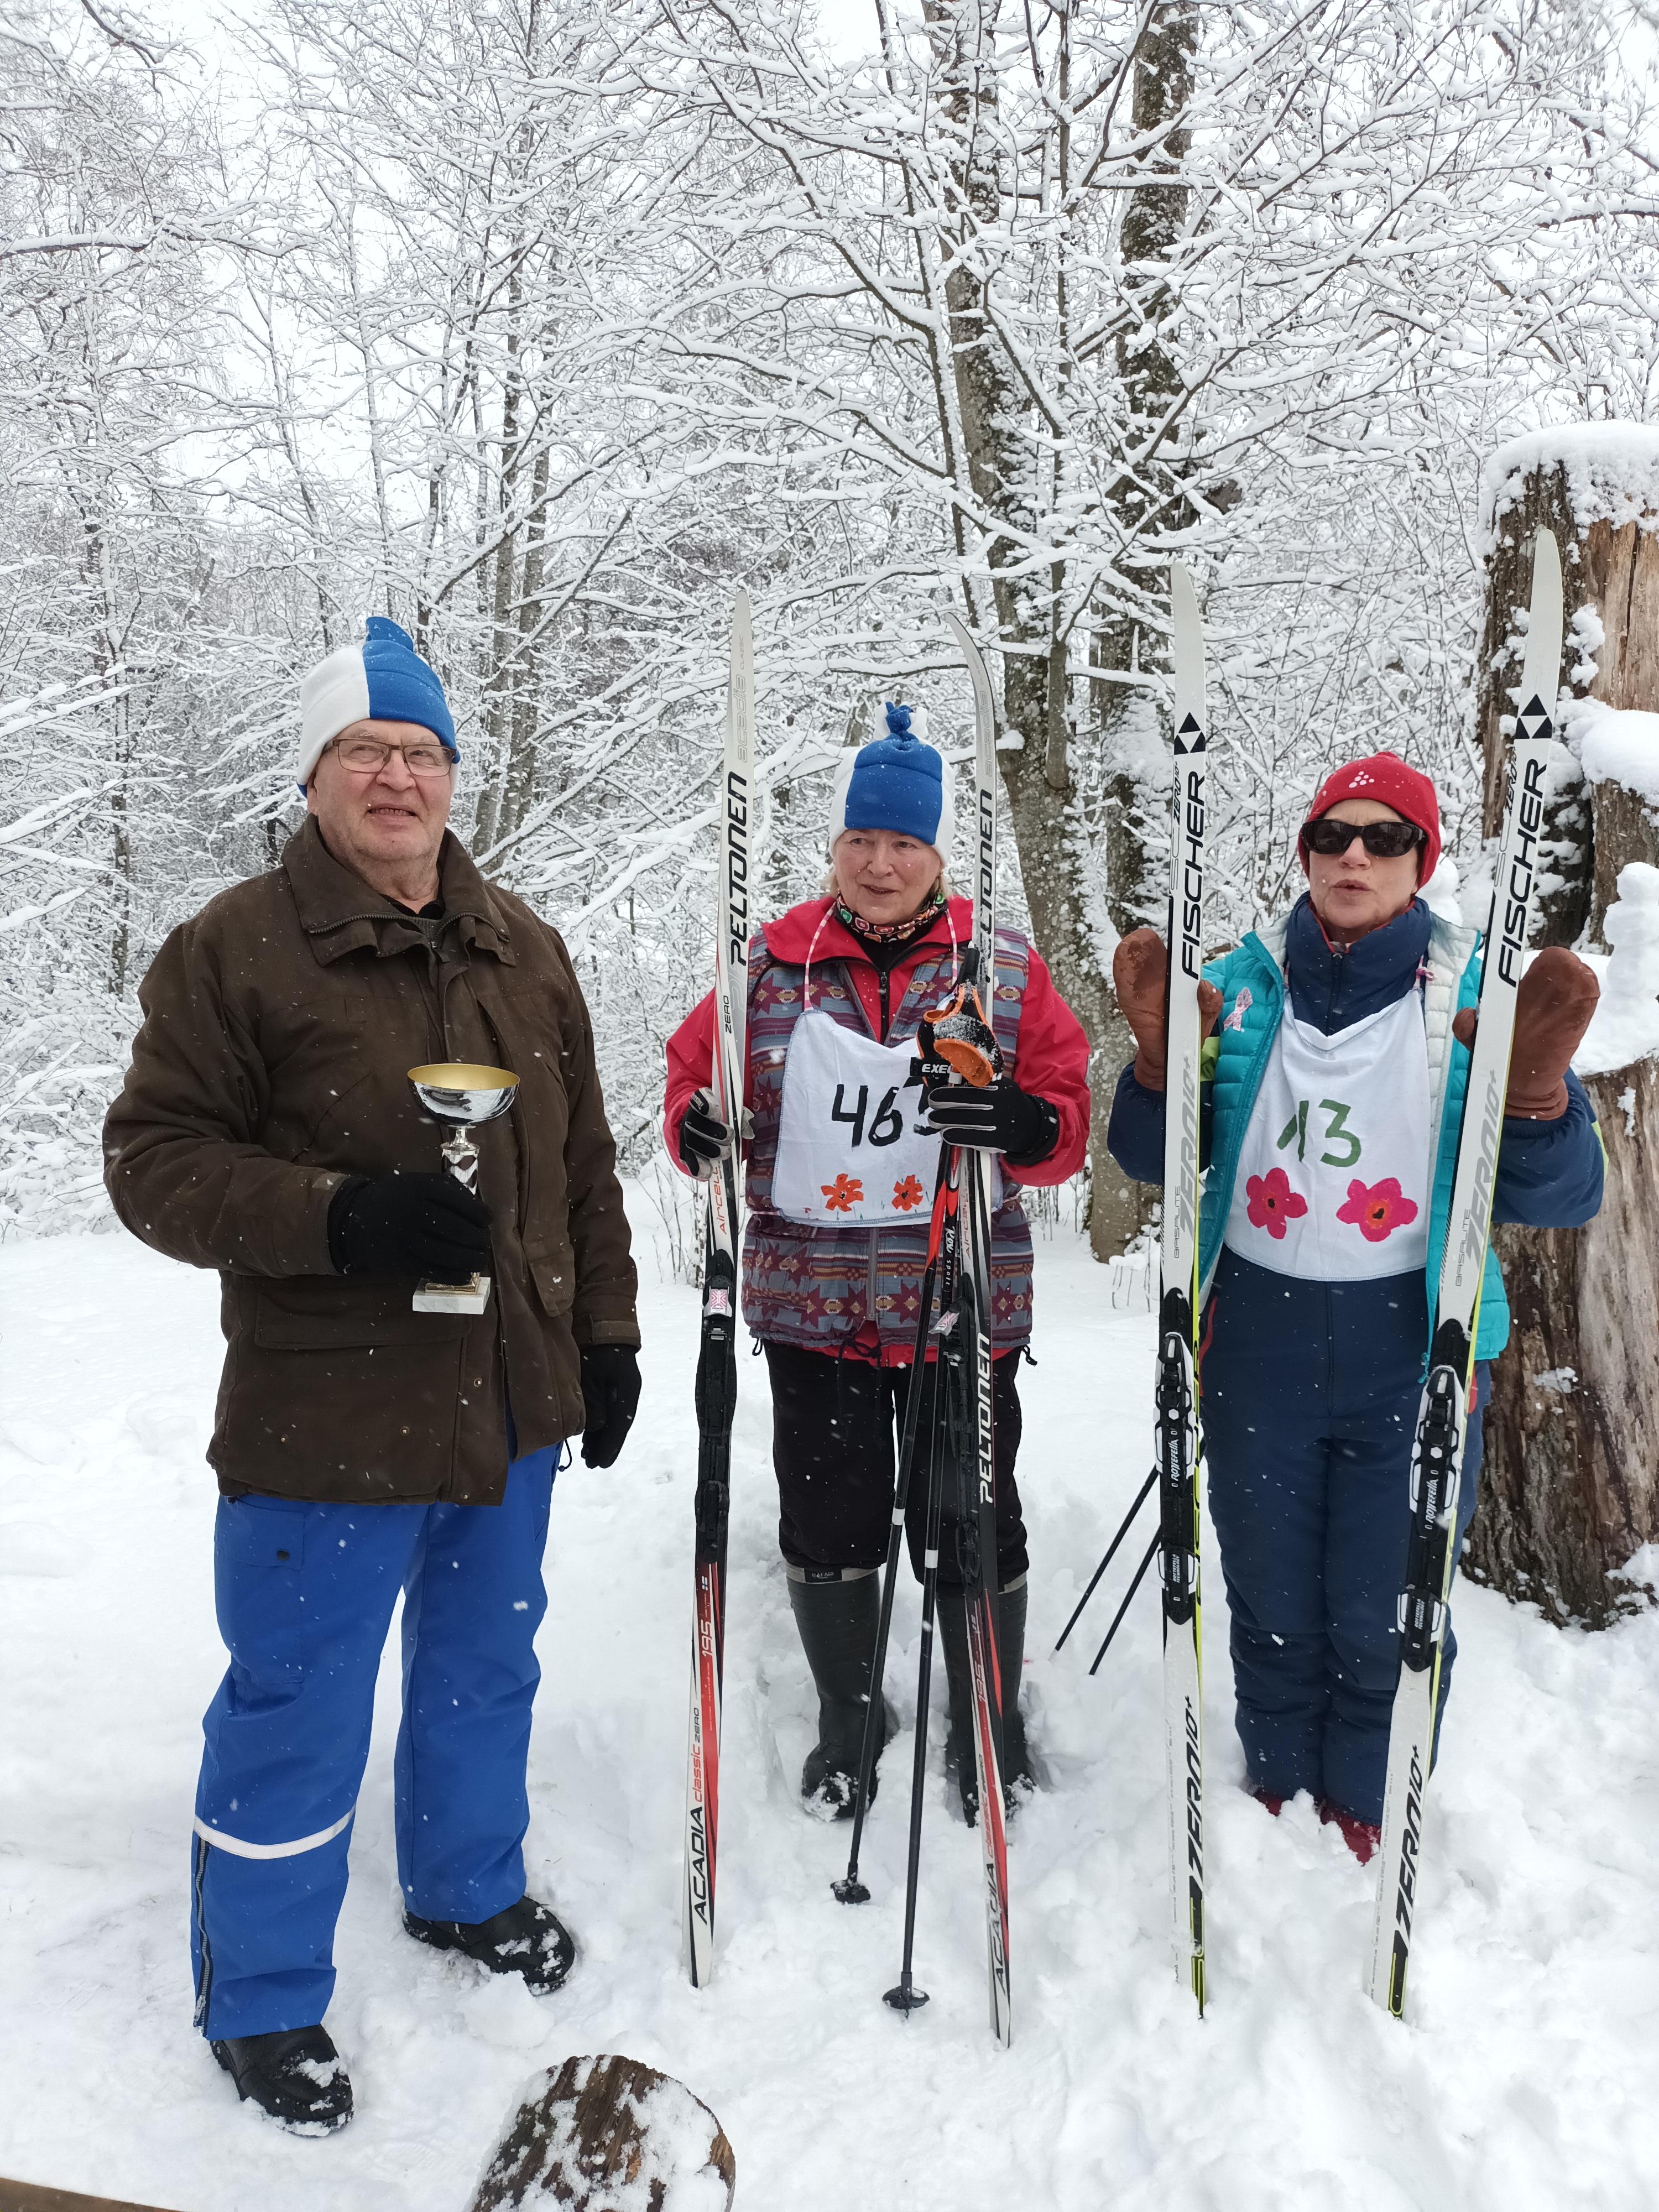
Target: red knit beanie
[(1386, 777)]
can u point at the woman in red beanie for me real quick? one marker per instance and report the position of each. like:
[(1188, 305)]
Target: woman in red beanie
[(1334, 1101)]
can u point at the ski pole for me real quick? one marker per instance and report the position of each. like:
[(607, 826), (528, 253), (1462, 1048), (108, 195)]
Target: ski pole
[(849, 1889), (1130, 1519), (906, 1997), (1141, 1577)]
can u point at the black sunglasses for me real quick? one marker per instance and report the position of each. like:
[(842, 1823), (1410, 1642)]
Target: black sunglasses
[(1383, 840)]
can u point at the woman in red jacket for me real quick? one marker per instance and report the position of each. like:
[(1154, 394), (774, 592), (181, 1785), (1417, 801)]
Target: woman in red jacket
[(840, 1174)]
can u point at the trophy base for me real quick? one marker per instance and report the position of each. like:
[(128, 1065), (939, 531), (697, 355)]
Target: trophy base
[(469, 1298)]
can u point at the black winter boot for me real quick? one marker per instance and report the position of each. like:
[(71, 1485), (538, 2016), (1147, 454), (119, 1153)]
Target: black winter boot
[(526, 1940), (837, 1623), (294, 2074), (1018, 1775)]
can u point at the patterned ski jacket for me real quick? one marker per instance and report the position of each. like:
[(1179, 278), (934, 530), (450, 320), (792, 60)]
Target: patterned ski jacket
[(857, 1291), (1549, 1173)]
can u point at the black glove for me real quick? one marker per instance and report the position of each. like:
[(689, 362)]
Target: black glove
[(414, 1225), (704, 1141), (1000, 1118), (610, 1392)]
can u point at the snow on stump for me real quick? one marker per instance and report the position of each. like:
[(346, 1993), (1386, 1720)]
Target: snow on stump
[(1570, 1484), (608, 2135), (1596, 486)]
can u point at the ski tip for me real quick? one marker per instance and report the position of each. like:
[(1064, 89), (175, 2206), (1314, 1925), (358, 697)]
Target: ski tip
[(1546, 562), (850, 1890), (906, 1998)]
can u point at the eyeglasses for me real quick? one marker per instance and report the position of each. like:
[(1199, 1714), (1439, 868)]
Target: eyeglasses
[(366, 754), (1383, 840)]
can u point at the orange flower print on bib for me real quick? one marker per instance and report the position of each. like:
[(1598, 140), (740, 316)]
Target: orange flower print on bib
[(843, 1195)]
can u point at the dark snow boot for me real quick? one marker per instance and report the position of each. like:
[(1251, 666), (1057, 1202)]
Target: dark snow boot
[(837, 1621), (295, 2074), (525, 1939), (1018, 1775)]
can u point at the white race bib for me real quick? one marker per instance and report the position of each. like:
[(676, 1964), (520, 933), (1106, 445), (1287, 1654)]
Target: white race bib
[(850, 1147), (1333, 1182)]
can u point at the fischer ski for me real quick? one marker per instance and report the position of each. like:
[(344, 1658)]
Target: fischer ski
[(1179, 1432), (717, 1358), (1443, 1417)]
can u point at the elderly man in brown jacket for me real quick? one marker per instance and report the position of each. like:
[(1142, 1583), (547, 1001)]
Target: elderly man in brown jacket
[(267, 1128)]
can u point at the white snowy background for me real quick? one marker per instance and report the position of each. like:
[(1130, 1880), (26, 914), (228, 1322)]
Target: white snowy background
[(1524, 2079)]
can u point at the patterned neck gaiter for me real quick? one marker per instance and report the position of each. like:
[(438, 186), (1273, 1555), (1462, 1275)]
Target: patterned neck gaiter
[(891, 932)]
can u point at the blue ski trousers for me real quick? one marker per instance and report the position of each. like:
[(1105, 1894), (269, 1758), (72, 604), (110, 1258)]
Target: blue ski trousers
[(304, 1596), (1310, 1394)]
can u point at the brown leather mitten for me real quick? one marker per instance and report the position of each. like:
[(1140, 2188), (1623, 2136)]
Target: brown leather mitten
[(1140, 976), (1553, 1004)]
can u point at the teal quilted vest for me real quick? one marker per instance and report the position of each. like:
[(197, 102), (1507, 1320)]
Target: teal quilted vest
[(1252, 985)]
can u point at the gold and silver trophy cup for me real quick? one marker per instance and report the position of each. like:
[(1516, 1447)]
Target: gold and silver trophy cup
[(464, 1096)]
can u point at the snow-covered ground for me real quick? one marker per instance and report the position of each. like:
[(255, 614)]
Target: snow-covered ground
[(1524, 2079)]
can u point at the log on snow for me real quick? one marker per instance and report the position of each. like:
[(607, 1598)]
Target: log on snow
[(608, 2135)]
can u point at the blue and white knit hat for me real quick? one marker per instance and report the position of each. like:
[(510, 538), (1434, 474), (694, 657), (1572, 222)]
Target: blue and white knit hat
[(383, 677), (895, 782)]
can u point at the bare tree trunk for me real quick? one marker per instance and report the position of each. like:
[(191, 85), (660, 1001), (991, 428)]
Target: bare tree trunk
[(994, 411), (1571, 1487), (519, 769), (499, 680)]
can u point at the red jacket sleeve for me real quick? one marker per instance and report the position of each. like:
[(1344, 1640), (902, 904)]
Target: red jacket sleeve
[(690, 1065), (1051, 1062)]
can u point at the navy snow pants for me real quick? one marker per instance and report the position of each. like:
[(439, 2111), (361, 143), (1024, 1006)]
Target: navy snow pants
[(304, 1596), (1310, 1394)]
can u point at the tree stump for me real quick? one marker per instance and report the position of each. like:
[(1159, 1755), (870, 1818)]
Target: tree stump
[(1571, 1487), (608, 2135)]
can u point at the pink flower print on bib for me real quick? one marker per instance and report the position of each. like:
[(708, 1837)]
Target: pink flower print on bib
[(1274, 1204), (1377, 1209)]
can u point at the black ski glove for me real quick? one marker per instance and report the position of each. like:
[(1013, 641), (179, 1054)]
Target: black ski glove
[(1000, 1118), (704, 1141), (414, 1225), (610, 1392)]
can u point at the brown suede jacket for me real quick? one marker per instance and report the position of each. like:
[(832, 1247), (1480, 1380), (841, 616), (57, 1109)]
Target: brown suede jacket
[(279, 1026)]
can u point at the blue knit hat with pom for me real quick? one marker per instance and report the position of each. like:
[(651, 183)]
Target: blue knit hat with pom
[(896, 782)]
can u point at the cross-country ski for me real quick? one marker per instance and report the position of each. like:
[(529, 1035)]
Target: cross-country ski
[(717, 1360), (1449, 1392)]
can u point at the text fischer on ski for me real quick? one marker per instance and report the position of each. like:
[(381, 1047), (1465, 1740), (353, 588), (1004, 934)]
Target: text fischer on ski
[(267, 1128), (840, 1178), (1333, 1095)]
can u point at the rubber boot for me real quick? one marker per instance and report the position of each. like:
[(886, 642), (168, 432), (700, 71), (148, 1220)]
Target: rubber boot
[(294, 2074), (837, 1623), (1017, 1774), (527, 1939)]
